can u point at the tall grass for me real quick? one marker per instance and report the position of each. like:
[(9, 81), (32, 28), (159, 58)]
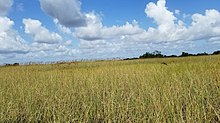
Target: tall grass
[(185, 90)]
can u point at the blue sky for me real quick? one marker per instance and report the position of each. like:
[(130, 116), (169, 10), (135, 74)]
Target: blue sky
[(54, 30)]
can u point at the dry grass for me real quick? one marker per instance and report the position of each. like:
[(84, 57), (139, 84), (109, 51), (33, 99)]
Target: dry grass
[(185, 90)]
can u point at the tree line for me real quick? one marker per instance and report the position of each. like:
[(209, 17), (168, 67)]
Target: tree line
[(158, 54)]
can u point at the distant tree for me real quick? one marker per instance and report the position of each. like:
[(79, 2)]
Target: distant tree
[(158, 54), (171, 56), (155, 54), (202, 54), (16, 64), (146, 55), (184, 54), (130, 58), (216, 52)]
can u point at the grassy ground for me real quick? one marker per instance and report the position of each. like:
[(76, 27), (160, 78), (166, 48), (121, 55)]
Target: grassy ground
[(185, 90)]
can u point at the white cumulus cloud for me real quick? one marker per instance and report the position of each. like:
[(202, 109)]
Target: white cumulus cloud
[(160, 13), (204, 26), (95, 30), (40, 34), (5, 6), (10, 40), (177, 12), (170, 30), (67, 12), (96, 40)]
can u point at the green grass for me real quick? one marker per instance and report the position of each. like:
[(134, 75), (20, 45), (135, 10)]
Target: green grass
[(186, 90)]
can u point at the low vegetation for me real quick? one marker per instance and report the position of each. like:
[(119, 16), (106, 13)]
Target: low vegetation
[(185, 89), (158, 54)]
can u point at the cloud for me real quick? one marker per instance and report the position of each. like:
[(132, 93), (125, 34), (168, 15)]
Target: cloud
[(46, 45), (5, 5), (67, 12), (185, 16), (170, 31), (96, 40), (160, 13), (40, 34), (204, 26), (169, 27), (50, 52), (63, 29), (132, 32), (19, 7), (215, 39), (10, 41), (95, 30), (177, 12)]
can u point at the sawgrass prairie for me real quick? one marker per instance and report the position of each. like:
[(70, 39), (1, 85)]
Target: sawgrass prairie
[(184, 90)]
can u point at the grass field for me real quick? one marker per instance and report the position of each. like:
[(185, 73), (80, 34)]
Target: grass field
[(185, 90)]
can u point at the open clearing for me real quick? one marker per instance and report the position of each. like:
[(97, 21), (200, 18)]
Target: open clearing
[(184, 90)]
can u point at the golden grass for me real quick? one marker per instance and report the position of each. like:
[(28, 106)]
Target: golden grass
[(185, 90)]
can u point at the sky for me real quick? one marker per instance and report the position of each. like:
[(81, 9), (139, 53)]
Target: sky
[(62, 30)]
